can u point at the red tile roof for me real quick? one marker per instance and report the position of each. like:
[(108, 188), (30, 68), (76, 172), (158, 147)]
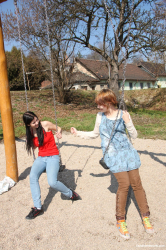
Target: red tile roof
[(157, 69), (76, 77), (81, 77), (96, 67), (100, 70), (133, 72)]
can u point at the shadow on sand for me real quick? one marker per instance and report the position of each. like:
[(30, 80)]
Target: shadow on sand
[(67, 177), (114, 187), (154, 156)]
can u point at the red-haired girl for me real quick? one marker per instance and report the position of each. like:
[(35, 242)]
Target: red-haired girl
[(121, 157)]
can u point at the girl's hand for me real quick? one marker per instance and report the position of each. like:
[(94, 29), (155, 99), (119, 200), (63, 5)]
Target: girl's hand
[(73, 130), (125, 116), (58, 135)]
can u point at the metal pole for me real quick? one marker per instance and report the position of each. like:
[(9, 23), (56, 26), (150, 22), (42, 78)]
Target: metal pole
[(6, 115)]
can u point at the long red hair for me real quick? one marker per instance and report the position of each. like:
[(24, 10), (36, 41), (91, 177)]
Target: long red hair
[(106, 97)]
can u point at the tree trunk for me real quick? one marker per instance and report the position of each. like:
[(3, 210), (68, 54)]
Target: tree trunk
[(113, 80), (62, 96)]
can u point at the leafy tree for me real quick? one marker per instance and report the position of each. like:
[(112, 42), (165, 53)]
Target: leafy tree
[(14, 68), (35, 71)]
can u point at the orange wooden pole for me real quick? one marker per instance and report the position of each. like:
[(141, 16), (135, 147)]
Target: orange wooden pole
[(6, 115)]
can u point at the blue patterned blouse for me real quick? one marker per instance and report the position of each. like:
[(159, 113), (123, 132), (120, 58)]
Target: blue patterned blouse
[(121, 155)]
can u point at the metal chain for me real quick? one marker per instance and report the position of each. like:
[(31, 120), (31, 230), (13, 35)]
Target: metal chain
[(124, 54), (22, 60), (121, 104), (111, 136), (52, 80), (19, 33)]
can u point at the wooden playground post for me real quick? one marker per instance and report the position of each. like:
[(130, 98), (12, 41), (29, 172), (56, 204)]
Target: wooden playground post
[(6, 114)]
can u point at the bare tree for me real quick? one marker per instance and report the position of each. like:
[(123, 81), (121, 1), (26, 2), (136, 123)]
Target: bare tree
[(136, 59), (160, 16), (94, 55), (87, 22), (34, 37), (92, 20)]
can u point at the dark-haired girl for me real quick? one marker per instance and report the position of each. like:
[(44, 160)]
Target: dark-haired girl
[(121, 158), (39, 134)]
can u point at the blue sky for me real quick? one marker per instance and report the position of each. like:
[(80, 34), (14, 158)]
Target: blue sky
[(7, 7)]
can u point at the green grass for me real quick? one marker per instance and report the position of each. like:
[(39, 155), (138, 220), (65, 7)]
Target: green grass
[(84, 122), (1, 134), (20, 131), (149, 123), (149, 113), (72, 113), (45, 118)]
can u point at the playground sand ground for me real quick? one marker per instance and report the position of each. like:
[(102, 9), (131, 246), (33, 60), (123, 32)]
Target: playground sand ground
[(87, 224)]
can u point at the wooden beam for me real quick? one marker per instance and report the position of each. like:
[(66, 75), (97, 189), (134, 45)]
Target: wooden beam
[(7, 115)]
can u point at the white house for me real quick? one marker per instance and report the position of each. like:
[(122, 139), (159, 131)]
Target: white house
[(158, 70), (136, 76), (91, 74)]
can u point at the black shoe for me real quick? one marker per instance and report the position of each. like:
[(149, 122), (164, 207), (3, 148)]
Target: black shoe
[(34, 213), (62, 167), (75, 196)]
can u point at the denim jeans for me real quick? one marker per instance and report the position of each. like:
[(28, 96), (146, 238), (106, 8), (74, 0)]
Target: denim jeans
[(51, 165)]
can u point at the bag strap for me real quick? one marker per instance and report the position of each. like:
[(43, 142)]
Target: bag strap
[(111, 134)]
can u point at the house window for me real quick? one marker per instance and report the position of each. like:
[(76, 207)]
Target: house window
[(130, 85), (93, 87), (84, 87), (119, 85), (148, 85), (141, 85), (101, 86)]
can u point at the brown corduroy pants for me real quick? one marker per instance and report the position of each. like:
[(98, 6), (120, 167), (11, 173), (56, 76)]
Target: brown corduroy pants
[(125, 179)]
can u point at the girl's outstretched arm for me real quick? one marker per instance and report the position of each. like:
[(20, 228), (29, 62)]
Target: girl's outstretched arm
[(89, 135)]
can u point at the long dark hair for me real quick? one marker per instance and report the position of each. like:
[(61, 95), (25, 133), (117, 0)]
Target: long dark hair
[(28, 118)]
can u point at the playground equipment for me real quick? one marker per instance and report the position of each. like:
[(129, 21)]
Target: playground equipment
[(62, 167), (5, 101), (6, 114)]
